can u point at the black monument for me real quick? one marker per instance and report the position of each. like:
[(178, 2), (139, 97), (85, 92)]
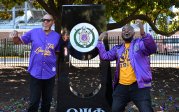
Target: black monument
[(85, 88)]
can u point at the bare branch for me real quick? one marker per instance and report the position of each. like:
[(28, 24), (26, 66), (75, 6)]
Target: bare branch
[(142, 17), (45, 6)]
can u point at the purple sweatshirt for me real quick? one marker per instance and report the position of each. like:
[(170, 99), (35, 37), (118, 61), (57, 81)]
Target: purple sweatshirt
[(42, 57), (139, 52)]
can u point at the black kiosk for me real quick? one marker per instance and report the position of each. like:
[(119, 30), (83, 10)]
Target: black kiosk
[(84, 82)]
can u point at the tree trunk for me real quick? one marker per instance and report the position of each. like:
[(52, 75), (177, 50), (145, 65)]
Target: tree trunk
[(58, 25)]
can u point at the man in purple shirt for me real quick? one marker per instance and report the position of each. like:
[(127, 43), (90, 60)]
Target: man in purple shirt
[(42, 66), (132, 79)]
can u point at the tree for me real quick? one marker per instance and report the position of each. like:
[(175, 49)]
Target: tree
[(154, 12)]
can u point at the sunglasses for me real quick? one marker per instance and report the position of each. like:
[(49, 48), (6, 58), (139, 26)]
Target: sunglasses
[(47, 20)]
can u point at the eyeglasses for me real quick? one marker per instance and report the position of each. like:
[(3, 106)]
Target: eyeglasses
[(47, 20)]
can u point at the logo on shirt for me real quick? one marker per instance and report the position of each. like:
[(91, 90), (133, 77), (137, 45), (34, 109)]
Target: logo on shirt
[(124, 60), (84, 37), (46, 51)]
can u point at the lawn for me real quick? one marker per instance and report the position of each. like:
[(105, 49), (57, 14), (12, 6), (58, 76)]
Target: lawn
[(14, 90)]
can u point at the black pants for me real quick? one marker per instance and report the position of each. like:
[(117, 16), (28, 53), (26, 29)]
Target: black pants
[(41, 88), (126, 93)]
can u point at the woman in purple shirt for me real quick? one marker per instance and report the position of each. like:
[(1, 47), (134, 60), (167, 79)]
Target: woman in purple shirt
[(42, 66)]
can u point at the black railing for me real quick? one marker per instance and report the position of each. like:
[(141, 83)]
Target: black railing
[(13, 55), (167, 53)]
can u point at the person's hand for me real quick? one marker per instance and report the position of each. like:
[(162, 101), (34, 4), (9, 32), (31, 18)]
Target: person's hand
[(102, 36), (65, 51), (13, 34), (139, 23), (141, 26)]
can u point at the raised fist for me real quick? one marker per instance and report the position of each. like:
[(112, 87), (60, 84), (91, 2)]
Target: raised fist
[(13, 34), (102, 36), (139, 23)]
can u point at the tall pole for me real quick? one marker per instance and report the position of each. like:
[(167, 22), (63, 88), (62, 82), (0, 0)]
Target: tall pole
[(13, 16), (25, 14)]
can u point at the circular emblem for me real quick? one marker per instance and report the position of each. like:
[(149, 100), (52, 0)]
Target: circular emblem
[(84, 37)]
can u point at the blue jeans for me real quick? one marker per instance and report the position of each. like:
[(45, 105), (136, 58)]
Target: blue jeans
[(41, 88), (123, 94)]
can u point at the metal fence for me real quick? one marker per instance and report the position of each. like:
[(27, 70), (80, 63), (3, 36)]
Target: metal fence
[(167, 53), (13, 55)]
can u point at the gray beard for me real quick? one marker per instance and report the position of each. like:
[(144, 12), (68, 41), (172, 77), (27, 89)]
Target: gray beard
[(46, 28)]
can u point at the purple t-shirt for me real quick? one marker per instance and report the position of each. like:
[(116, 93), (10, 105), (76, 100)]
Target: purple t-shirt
[(42, 57)]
